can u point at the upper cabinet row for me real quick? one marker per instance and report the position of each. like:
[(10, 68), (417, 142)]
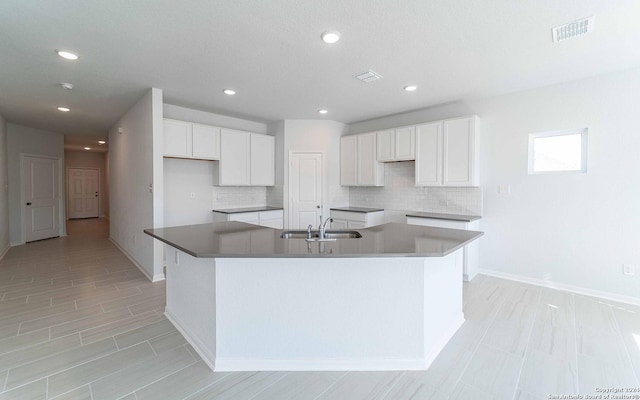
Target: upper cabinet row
[(446, 154), (245, 158)]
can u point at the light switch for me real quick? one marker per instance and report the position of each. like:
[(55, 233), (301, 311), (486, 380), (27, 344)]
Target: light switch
[(504, 189)]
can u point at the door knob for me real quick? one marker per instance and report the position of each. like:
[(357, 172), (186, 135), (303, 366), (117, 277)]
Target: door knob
[(28, 204), (317, 206)]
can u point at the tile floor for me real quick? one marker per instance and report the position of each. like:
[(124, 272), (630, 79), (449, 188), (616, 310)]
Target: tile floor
[(79, 321)]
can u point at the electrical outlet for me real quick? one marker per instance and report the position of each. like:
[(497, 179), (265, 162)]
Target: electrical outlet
[(504, 189), (135, 239), (444, 202), (192, 195), (177, 258), (628, 269)]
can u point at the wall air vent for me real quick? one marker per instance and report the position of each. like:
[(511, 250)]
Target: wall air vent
[(368, 76), (573, 29)]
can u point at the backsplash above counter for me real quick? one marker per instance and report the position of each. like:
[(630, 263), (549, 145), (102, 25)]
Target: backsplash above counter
[(400, 193)]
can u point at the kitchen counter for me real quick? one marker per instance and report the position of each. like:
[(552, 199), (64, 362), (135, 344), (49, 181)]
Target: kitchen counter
[(241, 240), (357, 209), (246, 209), (452, 217), (247, 300)]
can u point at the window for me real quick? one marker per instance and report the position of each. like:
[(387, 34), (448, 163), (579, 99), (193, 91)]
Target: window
[(559, 151)]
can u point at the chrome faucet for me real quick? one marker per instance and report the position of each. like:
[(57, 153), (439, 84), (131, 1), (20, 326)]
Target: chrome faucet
[(309, 231), (322, 226)]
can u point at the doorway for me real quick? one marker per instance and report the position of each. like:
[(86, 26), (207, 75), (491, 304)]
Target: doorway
[(83, 194), (305, 188), (41, 195)]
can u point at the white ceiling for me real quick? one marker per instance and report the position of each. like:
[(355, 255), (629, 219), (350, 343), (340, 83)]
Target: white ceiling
[(270, 52)]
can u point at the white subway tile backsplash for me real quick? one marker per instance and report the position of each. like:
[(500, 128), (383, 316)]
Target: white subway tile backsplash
[(400, 193), (239, 196)]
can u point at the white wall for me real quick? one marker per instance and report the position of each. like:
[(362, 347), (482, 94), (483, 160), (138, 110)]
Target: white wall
[(571, 229), (87, 159), (4, 190), (25, 140), (133, 179), (207, 118), (318, 136)]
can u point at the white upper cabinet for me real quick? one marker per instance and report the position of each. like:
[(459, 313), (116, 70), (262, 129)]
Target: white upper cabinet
[(188, 140), (246, 159), (429, 154), (396, 144), (177, 138), (447, 153), (206, 142), (358, 163), (262, 160), (348, 161), (405, 143)]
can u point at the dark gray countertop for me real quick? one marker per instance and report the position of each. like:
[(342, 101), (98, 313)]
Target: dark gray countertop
[(357, 209), (240, 240), (246, 209), (452, 217)]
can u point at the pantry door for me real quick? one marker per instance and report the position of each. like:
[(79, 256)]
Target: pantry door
[(305, 188), (41, 195), (83, 192)]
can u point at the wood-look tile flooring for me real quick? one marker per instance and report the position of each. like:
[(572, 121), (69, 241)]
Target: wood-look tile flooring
[(79, 321)]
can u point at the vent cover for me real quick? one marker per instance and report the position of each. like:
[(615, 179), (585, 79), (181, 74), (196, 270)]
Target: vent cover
[(368, 76), (573, 29)]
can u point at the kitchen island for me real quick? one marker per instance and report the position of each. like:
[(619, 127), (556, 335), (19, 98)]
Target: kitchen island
[(247, 299)]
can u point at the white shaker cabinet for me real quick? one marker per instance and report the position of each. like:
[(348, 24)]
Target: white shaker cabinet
[(356, 219), (262, 160), (246, 159), (234, 168), (270, 218), (447, 153), (396, 144), (358, 164), (183, 139)]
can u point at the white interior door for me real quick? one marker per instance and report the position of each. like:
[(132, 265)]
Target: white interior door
[(84, 193), (305, 188), (41, 182)]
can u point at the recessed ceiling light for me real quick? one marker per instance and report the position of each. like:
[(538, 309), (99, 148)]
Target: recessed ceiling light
[(229, 92), (64, 109), (67, 54), (323, 111), (410, 88), (330, 36), (101, 142), (87, 148)]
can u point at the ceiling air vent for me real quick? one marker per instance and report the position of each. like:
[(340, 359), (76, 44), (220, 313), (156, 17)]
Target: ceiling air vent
[(573, 29), (368, 76)]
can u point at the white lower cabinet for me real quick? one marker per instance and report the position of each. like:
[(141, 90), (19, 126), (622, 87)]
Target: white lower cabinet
[(355, 220), (471, 252), (271, 219)]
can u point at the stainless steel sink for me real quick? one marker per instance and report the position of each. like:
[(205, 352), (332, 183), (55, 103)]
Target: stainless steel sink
[(315, 235)]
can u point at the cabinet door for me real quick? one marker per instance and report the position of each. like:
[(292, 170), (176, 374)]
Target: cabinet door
[(405, 143), (206, 142), (348, 161), (459, 152), (248, 217), (262, 160), (355, 224), (429, 154), (369, 171), (176, 137), (235, 162), (385, 145), (339, 224)]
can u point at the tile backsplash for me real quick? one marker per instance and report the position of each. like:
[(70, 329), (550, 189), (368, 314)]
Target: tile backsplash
[(239, 196), (400, 193)]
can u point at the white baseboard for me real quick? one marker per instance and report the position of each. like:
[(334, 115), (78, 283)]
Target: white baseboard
[(133, 261), (561, 286), (198, 346), (4, 252), (232, 365), (14, 244)]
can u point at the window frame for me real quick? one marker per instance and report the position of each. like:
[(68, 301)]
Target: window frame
[(565, 132)]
